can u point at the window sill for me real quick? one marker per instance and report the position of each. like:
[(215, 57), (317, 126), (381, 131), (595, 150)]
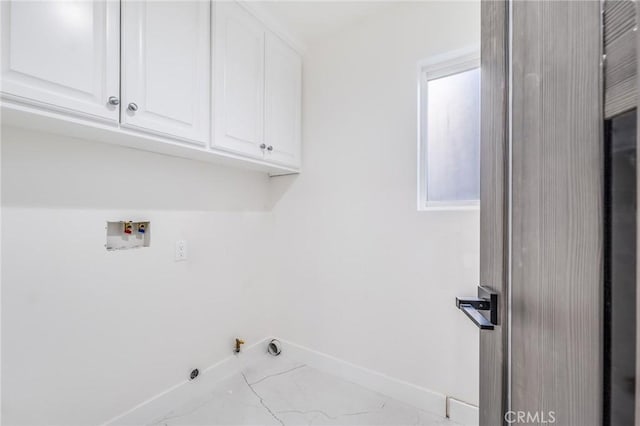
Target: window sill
[(470, 206)]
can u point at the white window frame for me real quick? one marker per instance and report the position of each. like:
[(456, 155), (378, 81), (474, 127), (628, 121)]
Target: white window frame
[(443, 65)]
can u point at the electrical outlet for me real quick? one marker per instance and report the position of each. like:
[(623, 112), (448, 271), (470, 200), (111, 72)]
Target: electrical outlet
[(181, 250)]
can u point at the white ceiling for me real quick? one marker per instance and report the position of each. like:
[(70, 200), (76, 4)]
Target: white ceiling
[(309, 21)]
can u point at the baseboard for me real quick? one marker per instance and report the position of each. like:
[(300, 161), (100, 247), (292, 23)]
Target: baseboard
[(185, 391), (408, 393), (462, 412)]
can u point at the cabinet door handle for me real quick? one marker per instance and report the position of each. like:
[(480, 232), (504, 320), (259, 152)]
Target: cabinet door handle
[(270, 148), (113, 100), (132, 107), (263, 146)]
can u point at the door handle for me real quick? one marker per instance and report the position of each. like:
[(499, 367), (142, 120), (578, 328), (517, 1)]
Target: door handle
[(487, 300), (475, 316)]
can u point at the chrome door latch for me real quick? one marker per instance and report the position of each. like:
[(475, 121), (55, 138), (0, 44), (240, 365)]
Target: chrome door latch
[(486, 301)]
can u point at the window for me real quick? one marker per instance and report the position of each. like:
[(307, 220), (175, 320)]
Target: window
[(449, 136)]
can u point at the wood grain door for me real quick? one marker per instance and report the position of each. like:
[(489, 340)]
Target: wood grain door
[(541, 215), (494, 205), (557, 202)]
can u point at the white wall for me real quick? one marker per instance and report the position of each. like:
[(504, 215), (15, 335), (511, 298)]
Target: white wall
[(367, 278), (86, 333)]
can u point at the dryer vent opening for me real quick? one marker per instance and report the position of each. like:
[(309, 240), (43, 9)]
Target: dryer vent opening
[(275, 348)]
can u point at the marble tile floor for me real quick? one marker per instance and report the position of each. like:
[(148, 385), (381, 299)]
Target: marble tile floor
[(281, 392)]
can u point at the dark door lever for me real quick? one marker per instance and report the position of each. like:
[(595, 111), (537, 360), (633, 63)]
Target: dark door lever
[(476, 317), (475, 302), (487, 300)]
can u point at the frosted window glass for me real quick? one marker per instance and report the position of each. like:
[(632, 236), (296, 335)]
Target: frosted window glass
[(453, 137)]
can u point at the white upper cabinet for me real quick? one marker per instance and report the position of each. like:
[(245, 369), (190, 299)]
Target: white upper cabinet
[(239, 76), (282, 102), (62, 55), (166, 68), (191, 78)]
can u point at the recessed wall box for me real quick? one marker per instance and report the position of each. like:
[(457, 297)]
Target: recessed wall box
[(128, 234)]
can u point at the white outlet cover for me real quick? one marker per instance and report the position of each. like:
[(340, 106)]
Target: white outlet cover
[(181, 250)]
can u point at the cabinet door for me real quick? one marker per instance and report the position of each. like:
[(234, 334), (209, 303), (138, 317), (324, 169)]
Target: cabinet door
[(239, 92), (165, 68), (282, 102), (62, 55)]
